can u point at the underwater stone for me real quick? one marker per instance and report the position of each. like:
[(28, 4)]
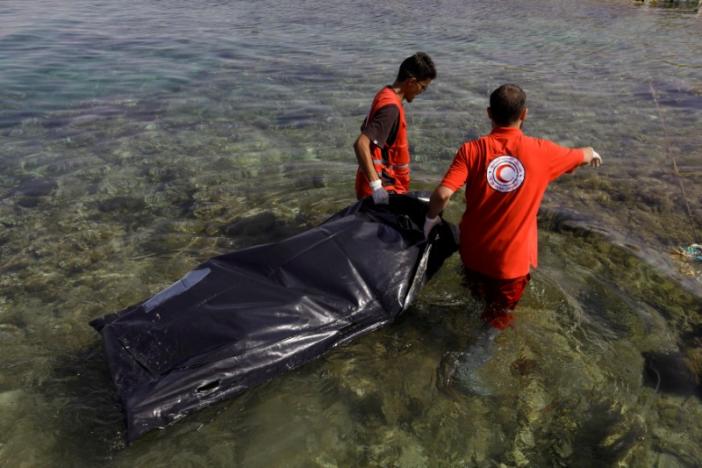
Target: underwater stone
[(526, 438), (318, 181), (254, 225), (671, 373), (262, 227), (535, 400), (393, 407), (398, 448), (10, 399), (666, 460), (519, 458), (622, 438), (669, 413), (680, 441), (33, 188), (564, 448), (670, 3), (523, 366), (28, 202), (130, 204), (9, 332)]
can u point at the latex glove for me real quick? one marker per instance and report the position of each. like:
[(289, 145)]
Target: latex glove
[(380, 195), (596, 159), (429, 224)]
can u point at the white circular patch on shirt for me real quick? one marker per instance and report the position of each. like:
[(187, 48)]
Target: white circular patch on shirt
[(505, 173)]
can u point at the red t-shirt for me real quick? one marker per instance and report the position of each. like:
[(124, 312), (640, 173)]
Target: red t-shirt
[(506, 174)]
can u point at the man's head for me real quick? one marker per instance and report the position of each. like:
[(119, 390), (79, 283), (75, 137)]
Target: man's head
[(415, 74), (507, 105)]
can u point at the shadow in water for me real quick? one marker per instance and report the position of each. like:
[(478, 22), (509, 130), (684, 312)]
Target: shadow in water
[(263, 228), (671, 373), (89, 409)]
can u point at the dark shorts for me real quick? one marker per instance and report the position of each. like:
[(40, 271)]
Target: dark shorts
[(500, 295)]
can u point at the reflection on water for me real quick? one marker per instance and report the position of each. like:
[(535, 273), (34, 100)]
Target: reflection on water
[(137, 142)]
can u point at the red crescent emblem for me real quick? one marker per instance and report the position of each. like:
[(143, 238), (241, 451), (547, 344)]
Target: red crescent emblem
[(505, 173)]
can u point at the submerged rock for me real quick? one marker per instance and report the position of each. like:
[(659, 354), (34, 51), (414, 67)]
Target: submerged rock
[(683, 4), (604, 435), (122, 204), (28, 202), (262, 227), (396, 447), (671, 373), (35, 188), (30, 192), (464, 368), (620, 439)]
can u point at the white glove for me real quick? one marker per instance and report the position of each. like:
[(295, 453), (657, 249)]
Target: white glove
[(596, 159), (380, 195), (429, 224)]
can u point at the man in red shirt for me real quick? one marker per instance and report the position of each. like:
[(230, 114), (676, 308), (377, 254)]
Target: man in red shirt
[(506, 174), (382, 149)]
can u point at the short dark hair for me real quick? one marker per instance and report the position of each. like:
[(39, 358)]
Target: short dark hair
[(506, 104), (419, 66)]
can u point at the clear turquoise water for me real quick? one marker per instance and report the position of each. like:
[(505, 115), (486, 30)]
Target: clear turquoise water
[(137, 139)]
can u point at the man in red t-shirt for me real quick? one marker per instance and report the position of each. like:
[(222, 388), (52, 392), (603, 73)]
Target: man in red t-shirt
[(506, 174), (382, 148)]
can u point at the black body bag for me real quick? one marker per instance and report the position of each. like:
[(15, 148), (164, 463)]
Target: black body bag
[(242, 318)]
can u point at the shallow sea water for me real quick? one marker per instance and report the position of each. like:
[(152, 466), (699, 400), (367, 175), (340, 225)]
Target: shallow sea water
[(139, 139)]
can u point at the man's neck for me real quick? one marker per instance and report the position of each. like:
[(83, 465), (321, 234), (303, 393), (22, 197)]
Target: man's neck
[(397, 87), (517, 125)]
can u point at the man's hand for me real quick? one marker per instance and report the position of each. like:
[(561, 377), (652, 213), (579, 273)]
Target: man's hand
[(596, 159), (380, 195), (591, 157), (429, 224)]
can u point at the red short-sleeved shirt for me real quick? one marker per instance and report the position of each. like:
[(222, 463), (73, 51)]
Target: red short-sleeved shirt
[(506, 174)]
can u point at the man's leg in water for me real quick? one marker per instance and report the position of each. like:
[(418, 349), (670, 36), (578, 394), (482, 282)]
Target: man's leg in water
[(500, 297)]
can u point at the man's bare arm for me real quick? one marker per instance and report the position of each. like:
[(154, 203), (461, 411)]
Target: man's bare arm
[(363, 155), (438, 201)]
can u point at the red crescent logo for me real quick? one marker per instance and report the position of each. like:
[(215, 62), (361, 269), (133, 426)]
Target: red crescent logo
[(503, 168), (505, 173)]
